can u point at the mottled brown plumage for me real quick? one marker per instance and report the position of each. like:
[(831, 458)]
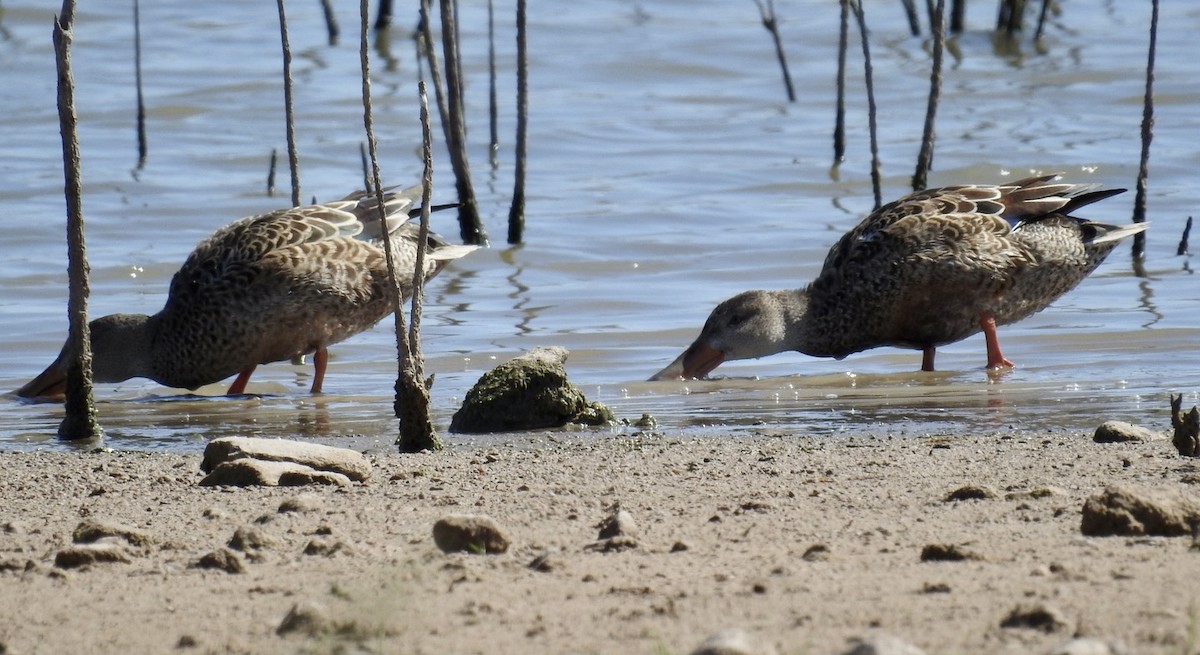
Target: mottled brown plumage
[(929, 269), (264, 289)]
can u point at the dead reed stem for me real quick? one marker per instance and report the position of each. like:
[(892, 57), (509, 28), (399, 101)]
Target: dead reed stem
[(289, 112), (80, 419), (868, 73), (925, 156), (516, 213), (839, 127), (1139, 201), (469, 225), (137, 72), (769, 21)]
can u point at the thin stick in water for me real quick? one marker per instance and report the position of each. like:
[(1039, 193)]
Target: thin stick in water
[(1042, 20), (914, 21), (469, 224), (80, 419), (271, 172), (289, 112), (366, 167), (925, 156), (958, 14), (1183, 240), (516, 213), (331, 24), (839, 128), (384, 18), (876, 182), (425, 47), (493, 121), (769, 21), (137, 72), (1139, 200)]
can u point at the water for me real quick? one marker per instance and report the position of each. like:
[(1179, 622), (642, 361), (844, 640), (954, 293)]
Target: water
[(666, 173)]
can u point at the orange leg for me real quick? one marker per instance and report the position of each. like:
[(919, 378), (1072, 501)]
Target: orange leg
[(927, 358), (239, 385), (996, 358), (320, 361)]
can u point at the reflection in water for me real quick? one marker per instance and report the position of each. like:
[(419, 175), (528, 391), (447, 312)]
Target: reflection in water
[(520, 290), (1146, 301)]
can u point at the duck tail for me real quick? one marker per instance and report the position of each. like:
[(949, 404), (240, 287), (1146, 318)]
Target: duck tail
[(1085, 196)]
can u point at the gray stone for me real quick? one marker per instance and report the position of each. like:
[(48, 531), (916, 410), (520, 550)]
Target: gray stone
[(303, 503), (348, 463), (883, 644), (1120, 511), (528, 392), (733, 642), (469, 533), (1120, 432), (254, 472)]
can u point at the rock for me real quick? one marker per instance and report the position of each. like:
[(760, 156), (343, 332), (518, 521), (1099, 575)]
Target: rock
[(816, 553), (91, 531), (1187, 428), (349, 463), (617, 532), (254, 472), (247, 538), (733, 642), (546, 562), (223, 559), (1120, 432), (883, 644), (1120, 511), (970, 492), (618, 524), (1035, 617), (86, 554), (308, 618), (528, 392), (328, 547), (1086, 646), (469, 533), (302, 503), (947, 553)]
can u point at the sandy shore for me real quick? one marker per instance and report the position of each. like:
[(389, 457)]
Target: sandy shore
[(803, 543)]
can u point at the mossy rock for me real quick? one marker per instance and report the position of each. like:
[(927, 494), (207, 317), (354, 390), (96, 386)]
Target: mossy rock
[(529, 392)]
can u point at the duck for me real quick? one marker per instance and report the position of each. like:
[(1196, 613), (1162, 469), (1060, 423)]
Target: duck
[(929, 269), (262, 289)]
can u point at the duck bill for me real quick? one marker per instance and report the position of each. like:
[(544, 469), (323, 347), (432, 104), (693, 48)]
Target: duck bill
[(694, 363), (50, 385)]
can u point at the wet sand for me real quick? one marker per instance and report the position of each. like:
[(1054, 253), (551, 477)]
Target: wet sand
[(803, 543)]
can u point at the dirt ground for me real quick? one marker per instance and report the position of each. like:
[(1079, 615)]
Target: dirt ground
[(803, 543)]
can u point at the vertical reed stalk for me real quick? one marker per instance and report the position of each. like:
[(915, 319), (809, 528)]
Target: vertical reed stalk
[(493, 122), (137, 72), (914, 21), (839, 127), (876, 182), (289, 113), (769, 21), (925, 156), (80, 419), (516, 213), (469, 225), (1139, 201), (331, 24)]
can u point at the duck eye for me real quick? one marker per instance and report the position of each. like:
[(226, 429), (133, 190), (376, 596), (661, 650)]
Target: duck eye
[(736, 320)]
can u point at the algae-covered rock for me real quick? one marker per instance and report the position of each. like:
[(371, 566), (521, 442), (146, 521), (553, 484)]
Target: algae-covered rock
[(526, 393)]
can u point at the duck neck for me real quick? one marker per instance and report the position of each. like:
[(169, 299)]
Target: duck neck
[(122, 347), (808, 331)]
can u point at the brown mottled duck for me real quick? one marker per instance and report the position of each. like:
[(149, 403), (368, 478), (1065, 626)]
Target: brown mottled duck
[(264, 289), (929, 269)]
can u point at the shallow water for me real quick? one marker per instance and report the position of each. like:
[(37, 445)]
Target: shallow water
[(666, 173)]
